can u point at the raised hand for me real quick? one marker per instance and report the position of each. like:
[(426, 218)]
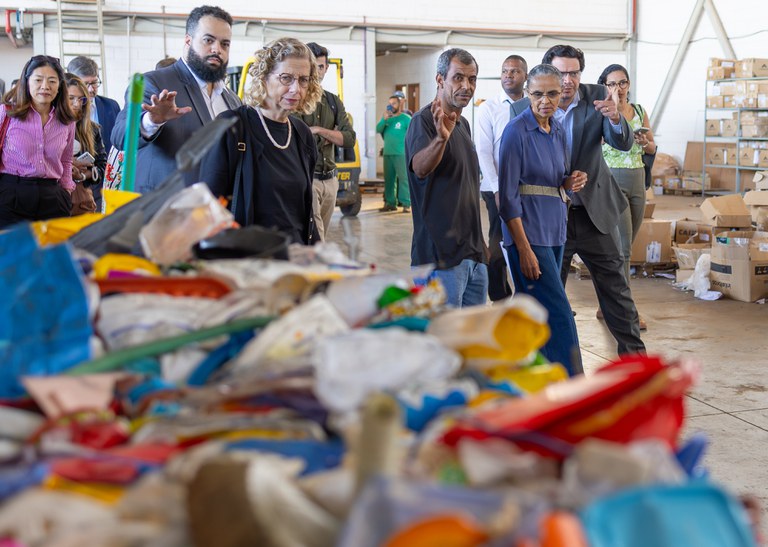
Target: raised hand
[(162, 108), (610, 106), (444, 123)]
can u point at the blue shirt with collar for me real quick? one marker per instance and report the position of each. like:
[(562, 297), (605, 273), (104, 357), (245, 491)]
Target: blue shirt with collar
[(529, 155)]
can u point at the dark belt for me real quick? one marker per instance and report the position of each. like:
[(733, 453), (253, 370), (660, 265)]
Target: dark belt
[(15, 179), (578, 208), (325, 175)]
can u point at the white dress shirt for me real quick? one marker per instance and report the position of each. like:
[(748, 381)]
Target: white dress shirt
[(215, 103), (492, 118)]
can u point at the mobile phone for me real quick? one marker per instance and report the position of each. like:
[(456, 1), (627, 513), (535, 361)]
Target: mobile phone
[(642, 130), (86, 157), (390, 108)]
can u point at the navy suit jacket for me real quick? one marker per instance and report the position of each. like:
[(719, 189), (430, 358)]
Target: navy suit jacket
[(156, 158), (602, 197), (107, 110)]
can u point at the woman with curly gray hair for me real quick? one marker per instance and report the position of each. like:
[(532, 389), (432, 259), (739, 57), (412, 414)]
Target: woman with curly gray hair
[(265, 166)]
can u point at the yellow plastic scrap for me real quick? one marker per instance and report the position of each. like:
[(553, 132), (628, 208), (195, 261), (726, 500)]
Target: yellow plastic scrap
[(56, 230), (105, 493), (114, 199), (529, 379), (123, 263), (490, 336)]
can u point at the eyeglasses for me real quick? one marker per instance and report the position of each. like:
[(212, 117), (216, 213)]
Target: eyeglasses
[(550, 95), (93, 83), (288, 79), (624, 84), (82, 101), (571, 73)]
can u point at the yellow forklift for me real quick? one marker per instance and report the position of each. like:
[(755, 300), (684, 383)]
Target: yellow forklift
[(348, 199)]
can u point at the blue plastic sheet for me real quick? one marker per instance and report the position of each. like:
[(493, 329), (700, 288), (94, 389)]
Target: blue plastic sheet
[(696, 514), (44, 326)]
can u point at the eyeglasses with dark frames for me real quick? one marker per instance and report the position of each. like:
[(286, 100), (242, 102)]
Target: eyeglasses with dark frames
[(550, 95), (623, 84)]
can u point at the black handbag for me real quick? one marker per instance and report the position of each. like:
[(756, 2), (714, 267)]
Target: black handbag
[(648, 159)]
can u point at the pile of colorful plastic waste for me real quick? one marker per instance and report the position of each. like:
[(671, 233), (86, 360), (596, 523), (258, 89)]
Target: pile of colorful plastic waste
[(202, 399)]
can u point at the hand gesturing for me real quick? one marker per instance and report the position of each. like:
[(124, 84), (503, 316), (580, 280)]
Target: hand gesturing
[(444, 123), (163, 107)]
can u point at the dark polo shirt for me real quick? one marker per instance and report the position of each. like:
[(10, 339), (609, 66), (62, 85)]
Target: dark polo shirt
[(446, 203)]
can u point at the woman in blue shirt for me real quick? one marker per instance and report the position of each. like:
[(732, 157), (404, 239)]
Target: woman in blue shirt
[(533, 191)]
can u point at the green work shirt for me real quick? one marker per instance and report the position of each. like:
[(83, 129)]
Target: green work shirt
[(393, 130), (330, 114)]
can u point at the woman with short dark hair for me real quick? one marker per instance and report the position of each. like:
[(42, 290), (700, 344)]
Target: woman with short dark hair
[(37, 134), (276, 152)]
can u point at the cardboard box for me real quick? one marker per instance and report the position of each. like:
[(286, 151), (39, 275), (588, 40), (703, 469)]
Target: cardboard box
[(732, 154), (649, 207), (740, 265), (747, 155), (724, 63), (649, 195), (715, 101), (681, 276), (762, 161), (707, 233), (716, 155), (727, 88), (694, 180), (757, 202), (729, 210), (712, 128), (761, 180), (653, 243), (715, 73), (752, 68), (729, 128), (729, 101), (686, 231), (688, 254), (672, 182), (754, 131)]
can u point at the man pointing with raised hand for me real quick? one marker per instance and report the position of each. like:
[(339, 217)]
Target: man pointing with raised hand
[(443, 175)]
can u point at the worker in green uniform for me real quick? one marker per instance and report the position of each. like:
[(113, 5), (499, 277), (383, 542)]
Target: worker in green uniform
[(393, 127)]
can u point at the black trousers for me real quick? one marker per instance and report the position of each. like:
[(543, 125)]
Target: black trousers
[(25, 199), (498, 286), (600, 253)]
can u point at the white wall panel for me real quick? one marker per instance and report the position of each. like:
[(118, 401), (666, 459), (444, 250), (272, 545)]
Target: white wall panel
[(533, 15)]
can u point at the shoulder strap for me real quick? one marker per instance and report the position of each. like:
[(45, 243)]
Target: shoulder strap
[(640, 111), (238, 186)]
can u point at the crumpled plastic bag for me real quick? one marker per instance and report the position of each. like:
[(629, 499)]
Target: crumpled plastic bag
[(488, 336), (351, 366), (191, 215), (699, 282)]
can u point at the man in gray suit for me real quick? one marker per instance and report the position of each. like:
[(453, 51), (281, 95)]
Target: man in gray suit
[(182, 98), (589, 114)]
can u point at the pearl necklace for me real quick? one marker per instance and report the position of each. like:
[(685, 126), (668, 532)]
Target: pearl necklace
[(274, 142)]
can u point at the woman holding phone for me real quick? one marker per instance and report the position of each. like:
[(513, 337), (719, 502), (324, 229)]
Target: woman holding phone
[(627, 167), (90, 158)]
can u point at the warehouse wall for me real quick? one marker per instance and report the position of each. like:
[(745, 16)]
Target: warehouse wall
[(660, 25)]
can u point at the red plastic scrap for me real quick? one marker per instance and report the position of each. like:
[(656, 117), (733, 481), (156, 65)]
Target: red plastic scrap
[(636, 397)]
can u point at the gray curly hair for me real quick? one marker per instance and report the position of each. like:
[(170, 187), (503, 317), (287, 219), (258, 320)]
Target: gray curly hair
[(267, 58)]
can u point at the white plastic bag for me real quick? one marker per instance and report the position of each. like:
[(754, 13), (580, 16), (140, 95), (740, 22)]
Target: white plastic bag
[(351, 366)]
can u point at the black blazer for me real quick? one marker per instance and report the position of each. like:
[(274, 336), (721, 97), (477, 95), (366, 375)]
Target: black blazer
[(602, 197), (107, 111), (219, 166), (156, 157)]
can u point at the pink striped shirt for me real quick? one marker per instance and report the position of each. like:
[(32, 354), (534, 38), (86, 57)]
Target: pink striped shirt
[(31, 150)]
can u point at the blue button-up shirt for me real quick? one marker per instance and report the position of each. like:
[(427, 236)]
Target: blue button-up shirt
[(529, 155)]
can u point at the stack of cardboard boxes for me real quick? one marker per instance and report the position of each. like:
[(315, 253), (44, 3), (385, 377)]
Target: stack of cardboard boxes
[(739, 253)]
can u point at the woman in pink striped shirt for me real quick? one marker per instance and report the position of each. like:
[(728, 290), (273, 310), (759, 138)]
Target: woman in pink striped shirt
[(37, 131)]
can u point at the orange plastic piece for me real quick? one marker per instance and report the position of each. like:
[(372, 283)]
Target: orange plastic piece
[(447, 530), (562, 529), (204, 287)]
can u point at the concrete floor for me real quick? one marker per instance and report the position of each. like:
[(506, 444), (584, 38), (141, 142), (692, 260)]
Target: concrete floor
[(730, 401)]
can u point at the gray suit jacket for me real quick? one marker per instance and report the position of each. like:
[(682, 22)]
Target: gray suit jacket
[(156, 155), (602, 197)]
